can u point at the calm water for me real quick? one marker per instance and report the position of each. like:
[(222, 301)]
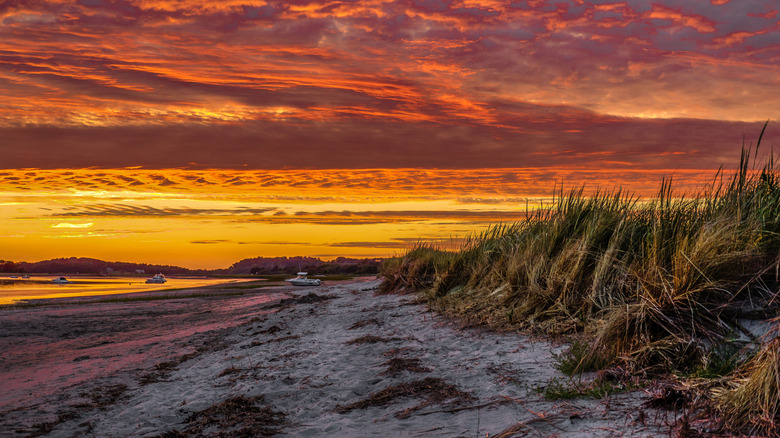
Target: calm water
[(36, 287)]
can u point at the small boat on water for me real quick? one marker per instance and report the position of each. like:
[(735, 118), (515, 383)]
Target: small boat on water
[(25, 276), (157, 279), (303, 280), (14, 276), (61, 280)]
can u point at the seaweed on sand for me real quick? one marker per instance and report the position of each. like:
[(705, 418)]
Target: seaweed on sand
[(398, 365), (310, 298), (163, 369), (236, 417), (44, 428), (369, 339), (433, 389), (100, 397), (106, 395)]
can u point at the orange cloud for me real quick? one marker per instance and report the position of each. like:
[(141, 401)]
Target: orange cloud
[(697, 22), (360, 186), (735, 38)]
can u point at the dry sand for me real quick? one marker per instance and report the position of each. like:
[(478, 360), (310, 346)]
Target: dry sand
[(352, 365)]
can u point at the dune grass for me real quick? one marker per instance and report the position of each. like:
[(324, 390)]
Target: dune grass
[(654, 285)]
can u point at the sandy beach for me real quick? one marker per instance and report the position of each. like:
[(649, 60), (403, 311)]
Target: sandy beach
[(336, 360)]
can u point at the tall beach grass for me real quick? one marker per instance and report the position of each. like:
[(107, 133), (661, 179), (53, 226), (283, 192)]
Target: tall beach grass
[(653, 285)]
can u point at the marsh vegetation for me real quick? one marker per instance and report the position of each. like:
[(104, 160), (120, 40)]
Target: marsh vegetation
[(658, 287)]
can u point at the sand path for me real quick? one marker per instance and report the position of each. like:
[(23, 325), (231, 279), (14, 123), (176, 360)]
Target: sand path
[(151, 368)]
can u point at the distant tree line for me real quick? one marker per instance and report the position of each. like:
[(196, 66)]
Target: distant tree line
[(8, 266), (253, 266), (84, 265)]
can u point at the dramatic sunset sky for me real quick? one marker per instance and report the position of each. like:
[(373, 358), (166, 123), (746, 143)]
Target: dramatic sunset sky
[(199, 133)]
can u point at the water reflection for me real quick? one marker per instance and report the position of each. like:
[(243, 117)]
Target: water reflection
[(38, 287)]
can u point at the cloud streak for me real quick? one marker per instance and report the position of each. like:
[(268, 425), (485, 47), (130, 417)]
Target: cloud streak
[(465, 186), (328, 217), (126, 210), (68, 225)]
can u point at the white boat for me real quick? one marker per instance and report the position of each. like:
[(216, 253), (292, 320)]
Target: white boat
[(302, 280), (25, 276), (14, 276), (61, 280), (157, 279)]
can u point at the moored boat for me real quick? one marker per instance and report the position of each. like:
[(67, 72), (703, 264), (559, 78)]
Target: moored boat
[(157, 279), (303, 280), (61, 280)]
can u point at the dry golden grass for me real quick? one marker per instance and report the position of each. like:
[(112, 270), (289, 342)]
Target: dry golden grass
[(655, 286), (751, 400)]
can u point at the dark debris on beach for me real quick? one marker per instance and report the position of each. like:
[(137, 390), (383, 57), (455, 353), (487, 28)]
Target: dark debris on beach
[(370, 339), (310, 298), (236, 417), (398, 365), (434, 390)]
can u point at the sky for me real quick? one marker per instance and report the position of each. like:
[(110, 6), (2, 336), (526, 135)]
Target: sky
[(198, 133)]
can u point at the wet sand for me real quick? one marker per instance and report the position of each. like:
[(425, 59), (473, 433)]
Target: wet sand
[(40, 287), (342, 362)]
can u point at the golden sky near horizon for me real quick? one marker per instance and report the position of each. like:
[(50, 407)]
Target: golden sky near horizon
[(212, 218), (201, 132)]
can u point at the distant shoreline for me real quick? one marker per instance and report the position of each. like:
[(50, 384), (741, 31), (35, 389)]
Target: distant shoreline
[(170, 290), (38, 290)]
